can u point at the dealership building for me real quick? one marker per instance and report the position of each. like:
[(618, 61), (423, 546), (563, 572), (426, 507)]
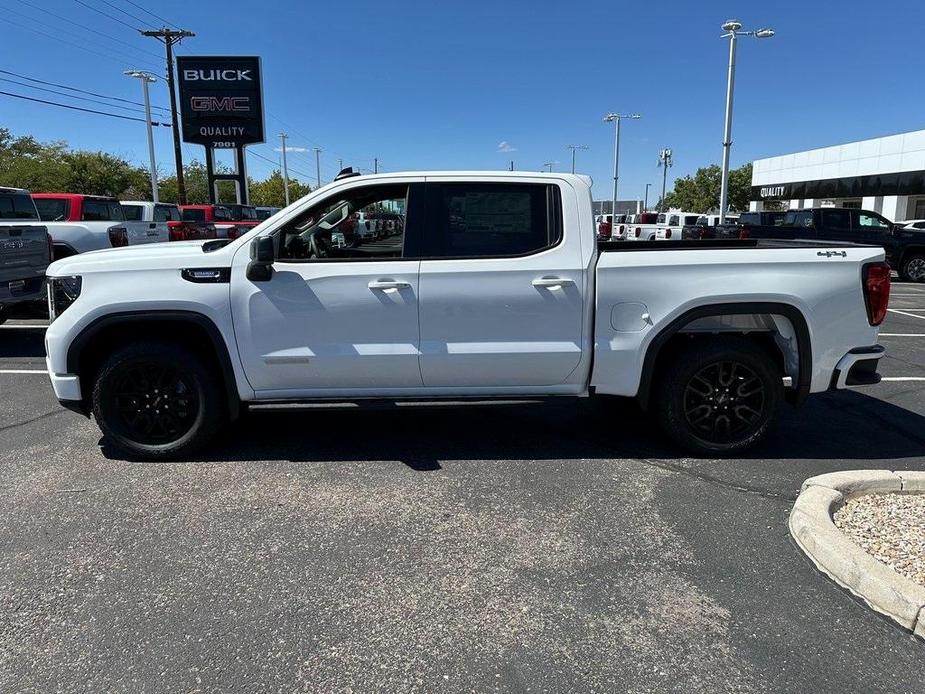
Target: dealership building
[(885, 174)]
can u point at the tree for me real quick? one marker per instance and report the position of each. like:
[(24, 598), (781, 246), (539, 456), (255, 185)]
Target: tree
[(700, 192), (271, 192)]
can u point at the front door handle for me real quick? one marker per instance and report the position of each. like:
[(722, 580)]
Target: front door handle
[(388, 284), (552, 282)]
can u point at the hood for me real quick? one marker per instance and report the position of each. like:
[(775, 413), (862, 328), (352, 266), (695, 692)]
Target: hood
[(149, 256)]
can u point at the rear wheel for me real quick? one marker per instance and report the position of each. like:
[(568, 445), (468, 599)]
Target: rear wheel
[(913, 269), (157, 401), (720, 396)]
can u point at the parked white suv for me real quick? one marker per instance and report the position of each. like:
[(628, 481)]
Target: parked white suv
[(505, 294)]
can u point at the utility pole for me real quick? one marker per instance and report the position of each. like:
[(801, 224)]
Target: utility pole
[(376, 165), (282, 139), (318, 166), (169, 37), (664, 160), (512, 164), (340, 164), (574, 148), (548, 166), (147, 78), (645, 205)]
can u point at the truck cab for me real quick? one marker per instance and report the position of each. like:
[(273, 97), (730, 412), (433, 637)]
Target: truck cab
[(25, 250)]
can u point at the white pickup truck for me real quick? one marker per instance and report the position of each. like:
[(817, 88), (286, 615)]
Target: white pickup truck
[(496, 287), (79, 223)]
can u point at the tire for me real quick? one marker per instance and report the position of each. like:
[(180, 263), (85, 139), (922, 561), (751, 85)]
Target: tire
[(913, 269), (156, 375), (696, 392)]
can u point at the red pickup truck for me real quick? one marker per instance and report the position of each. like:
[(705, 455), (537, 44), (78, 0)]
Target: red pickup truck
[(230, 220)]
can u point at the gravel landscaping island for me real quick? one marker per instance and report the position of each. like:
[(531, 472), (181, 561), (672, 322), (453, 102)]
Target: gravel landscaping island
[(891, 528)]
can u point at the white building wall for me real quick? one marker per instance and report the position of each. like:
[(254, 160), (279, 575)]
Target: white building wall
[(892, 154)]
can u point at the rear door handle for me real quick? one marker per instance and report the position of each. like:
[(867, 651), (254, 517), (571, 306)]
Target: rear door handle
[(388, 284), (552, 282)]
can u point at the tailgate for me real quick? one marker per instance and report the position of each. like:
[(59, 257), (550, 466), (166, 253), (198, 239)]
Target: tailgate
[(23, 251)]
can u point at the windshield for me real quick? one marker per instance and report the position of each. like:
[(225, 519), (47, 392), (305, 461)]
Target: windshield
[(193, 215)]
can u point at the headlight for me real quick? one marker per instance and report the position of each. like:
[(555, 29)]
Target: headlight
[(62, 292)]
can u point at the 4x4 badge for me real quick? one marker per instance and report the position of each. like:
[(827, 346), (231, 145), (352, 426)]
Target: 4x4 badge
[(829, 254)]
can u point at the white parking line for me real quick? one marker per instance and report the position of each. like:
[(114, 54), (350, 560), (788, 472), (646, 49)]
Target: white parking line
[(903, 378), (902, 334), (23, 327), (23, 371), (904, 313)]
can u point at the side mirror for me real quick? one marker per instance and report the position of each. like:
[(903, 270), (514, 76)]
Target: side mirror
[(263, 253)]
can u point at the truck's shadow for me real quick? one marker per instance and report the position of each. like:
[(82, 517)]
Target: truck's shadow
[(27, 342), (833, 426)]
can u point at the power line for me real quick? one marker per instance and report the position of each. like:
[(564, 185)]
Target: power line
[(80, 91), (85, 110), (147, 11), (106, 14), (84, 26), (108, 56), (275, 163), (69, 96), (127, 14)]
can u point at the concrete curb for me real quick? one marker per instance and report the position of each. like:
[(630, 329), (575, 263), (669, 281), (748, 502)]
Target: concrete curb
[(846, 563)]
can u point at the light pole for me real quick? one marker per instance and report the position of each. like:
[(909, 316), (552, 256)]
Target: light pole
[(548, 165), (664, 160), (282, 139), (146, 79), (574, 148), (733, 29), (645, 205), (318, 166), (616, 118)]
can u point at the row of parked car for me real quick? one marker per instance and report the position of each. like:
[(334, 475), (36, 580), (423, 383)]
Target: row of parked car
[(904, 242), (38, 228)]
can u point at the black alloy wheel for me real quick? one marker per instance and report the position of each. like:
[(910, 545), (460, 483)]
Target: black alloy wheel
[(723, 401), (155, 402)]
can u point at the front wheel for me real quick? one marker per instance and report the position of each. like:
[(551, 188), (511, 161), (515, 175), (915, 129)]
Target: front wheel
[(913, 269), (157, 401), (719, 396)]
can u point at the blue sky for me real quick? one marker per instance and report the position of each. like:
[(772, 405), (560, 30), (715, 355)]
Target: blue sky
[(426, 85)]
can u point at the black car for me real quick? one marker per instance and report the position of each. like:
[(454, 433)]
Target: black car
[(905, 247)]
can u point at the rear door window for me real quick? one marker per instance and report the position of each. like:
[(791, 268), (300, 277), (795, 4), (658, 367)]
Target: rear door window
[(166, 213), (17, 206), (52, 209), (102, 211), (836, 219), (799, 218), (490, 220), (132, 213), (193, 215)]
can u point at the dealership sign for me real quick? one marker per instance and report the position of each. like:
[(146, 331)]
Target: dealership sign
[(221, 100)]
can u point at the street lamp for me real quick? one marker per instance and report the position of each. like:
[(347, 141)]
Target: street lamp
[(733, 29), (549, 164), (645, 205), (146, 79), (616, 118), (573, 148), (665, 160)]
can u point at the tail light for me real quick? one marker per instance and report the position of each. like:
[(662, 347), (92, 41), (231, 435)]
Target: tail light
[(638, 232), (51, 247), (622, 230), (118, 237), (668, 233), (176, 231), (876, 291), (603, 230), (745, 233), (703, 233)]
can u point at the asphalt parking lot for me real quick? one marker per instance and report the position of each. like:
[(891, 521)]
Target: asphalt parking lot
[(539, 547)]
